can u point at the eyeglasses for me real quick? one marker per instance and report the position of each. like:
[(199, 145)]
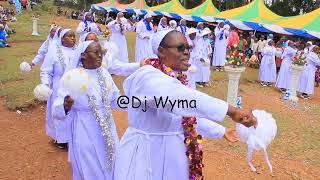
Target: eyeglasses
[(180, 47)]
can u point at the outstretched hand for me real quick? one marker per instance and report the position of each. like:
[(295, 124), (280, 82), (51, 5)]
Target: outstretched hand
[(231, 135)]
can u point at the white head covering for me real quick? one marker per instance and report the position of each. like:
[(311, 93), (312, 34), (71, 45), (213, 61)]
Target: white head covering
[(173, 24), (181, 21), (1, 26), (83, 38), (309, 42), (160, 22), (199, 23), (206, 31), (84, 16), (191, 30), (63, 32), (76, 61), (147, 16), (268, 40), (311, 48), (55, 37), (157, 38)]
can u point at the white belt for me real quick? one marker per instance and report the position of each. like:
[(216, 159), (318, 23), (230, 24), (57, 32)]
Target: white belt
[(147, 136)]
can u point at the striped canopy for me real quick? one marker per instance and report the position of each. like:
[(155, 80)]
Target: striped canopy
[(256, 11), (253, 16)]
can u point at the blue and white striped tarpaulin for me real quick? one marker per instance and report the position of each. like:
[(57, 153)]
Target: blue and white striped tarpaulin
[(243, 25)]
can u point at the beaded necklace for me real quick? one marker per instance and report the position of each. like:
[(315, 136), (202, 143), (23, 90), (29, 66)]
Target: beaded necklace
[(193, 141)]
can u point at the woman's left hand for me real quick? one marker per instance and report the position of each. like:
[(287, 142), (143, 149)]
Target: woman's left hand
[(231, 135)]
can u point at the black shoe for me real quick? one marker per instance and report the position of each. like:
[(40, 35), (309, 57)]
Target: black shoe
[(62, 145)]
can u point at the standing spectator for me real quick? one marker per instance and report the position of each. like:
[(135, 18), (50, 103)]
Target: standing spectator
[(261, 44)]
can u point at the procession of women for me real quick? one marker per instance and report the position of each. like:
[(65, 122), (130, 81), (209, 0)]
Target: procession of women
[(172, 59)]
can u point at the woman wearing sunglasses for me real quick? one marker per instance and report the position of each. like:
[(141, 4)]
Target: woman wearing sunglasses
[(162, 142)]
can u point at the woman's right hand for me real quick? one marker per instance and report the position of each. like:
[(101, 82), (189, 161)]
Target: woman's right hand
[(68, 103)]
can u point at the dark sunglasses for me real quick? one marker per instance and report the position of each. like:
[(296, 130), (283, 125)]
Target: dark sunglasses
[(180, 47)]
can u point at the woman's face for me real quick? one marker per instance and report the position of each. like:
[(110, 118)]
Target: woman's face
[(88, 17), (92, 57), (175, 51), (92, 37), (183, 22), (69, 39), (164, 21)]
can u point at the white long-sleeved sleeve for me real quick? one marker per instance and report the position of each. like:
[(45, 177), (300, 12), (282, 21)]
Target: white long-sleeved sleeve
[(39, 58), (153, 85), (46, 70), (111, 24), (121, 68), (58, 111), (314, 58), (210, 129)]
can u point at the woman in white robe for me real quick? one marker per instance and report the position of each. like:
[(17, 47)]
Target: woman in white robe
[(87, 25), (200, 50), (191, 36), (268, 69), (153, 145), (173, 25), (284, 77), (220, 46), (183, 27), (206, 72), (111, 62), (119, 27), (91, 153), (163, 24), (144, 32), (51, 71), (307, 78), (38, 59)]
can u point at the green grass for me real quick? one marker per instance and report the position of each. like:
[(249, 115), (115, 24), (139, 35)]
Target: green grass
[(16, 87)]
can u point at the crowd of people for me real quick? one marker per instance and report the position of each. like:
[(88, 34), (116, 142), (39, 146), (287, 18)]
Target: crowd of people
[(171, 58), (6, 15)]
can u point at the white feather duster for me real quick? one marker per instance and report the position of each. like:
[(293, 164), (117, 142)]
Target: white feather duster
[(25, 67), (76, 82), (112, 49), (260, 137), (42, 92), (192, 69)]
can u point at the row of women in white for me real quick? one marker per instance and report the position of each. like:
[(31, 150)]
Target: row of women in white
[(267, 71), (152, 147)]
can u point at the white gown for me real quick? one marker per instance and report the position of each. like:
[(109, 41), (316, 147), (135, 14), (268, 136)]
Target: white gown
[(153, 145), (192, 61), (120, 38), (220, 47), (268, 69), (203, 51), (87, 145), (82, 29), (50, 73), (143, 46), (307, 78), (284, 77)]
